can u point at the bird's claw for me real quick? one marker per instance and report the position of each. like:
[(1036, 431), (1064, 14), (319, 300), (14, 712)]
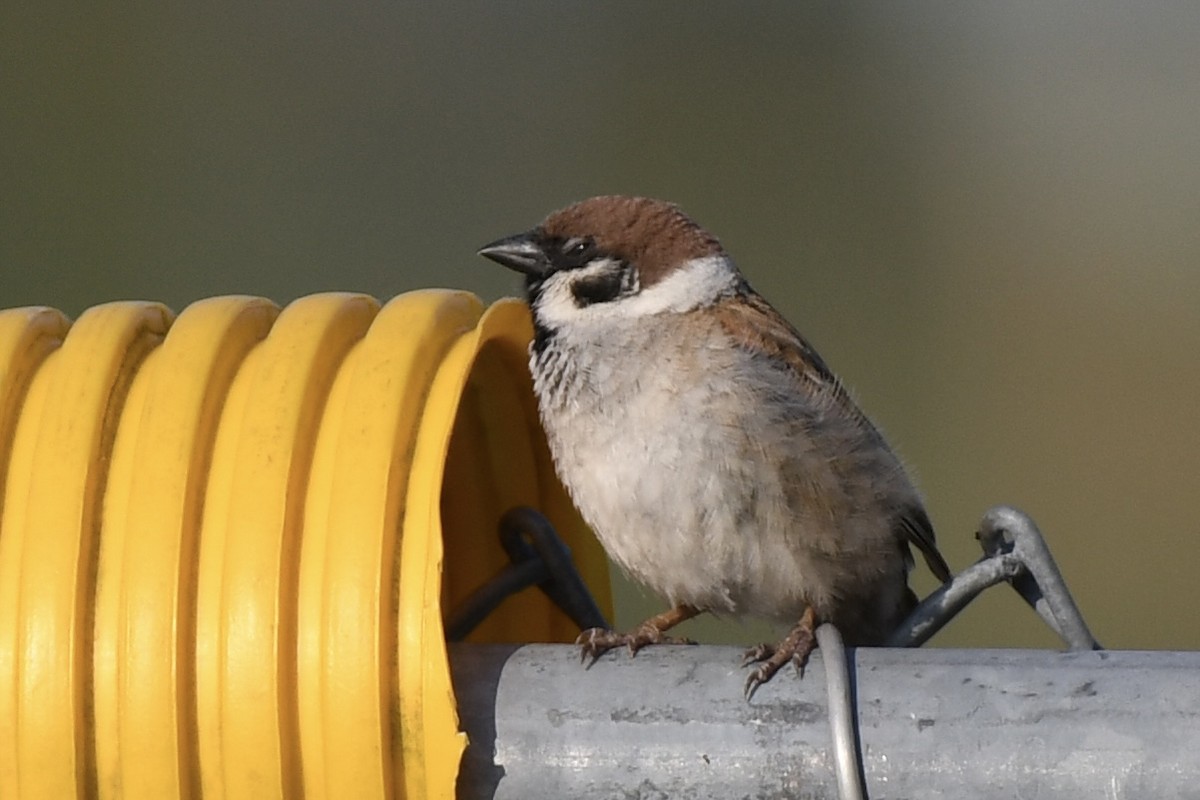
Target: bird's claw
[(770, 665), (796, 647), (760, 652), (595, 642), (756, 678)]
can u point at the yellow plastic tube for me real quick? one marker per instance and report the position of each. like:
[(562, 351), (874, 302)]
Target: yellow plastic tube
[(227, 541)]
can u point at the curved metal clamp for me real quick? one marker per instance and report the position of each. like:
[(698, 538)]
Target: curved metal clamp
[(1014, 551)]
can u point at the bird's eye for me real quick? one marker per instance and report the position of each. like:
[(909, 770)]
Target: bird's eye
[(577, 248), (573, 253)]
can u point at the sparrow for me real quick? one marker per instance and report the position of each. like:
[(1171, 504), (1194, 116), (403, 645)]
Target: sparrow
[(717, 458)]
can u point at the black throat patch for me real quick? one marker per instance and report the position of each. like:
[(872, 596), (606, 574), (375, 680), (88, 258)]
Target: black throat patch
[(541, 334)]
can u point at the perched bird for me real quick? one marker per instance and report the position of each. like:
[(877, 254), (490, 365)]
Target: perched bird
[(717, 458)]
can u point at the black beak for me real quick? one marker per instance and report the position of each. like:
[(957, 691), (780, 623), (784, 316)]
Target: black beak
[(521, 253)]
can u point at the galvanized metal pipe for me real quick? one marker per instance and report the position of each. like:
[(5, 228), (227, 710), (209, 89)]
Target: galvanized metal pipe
[(672, 722)]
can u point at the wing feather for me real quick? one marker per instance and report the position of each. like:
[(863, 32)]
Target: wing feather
[(754, 325)]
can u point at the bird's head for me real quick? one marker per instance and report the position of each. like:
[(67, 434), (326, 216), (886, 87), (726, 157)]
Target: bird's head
[(610, 259)]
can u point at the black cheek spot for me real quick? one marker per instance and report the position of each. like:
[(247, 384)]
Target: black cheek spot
[(598, 289)]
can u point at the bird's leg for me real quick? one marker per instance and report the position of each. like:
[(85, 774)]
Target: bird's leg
[(595, 642), (796, 647)]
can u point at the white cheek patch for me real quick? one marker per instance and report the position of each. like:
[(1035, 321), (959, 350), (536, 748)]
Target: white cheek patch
[(556, 305), (696, 283)]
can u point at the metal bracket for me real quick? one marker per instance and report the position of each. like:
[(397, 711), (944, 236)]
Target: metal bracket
[(1014, 551), (538, 557)]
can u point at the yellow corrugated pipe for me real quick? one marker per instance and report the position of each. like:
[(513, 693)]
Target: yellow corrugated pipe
[(222, 541)]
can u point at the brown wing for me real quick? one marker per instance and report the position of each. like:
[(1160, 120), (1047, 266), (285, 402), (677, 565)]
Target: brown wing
[(754, 325)]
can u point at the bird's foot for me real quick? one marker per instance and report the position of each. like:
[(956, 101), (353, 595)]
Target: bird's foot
[(796, 647), (595, 642)]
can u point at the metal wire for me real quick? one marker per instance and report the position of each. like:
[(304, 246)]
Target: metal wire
[(842, 717), (1014, 551), (952, 597), (538, 557), (1006, 530)]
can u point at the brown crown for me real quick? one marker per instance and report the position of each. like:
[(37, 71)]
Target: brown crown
[(653, 235)]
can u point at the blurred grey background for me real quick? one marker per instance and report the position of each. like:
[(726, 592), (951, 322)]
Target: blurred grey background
[(986, 215)]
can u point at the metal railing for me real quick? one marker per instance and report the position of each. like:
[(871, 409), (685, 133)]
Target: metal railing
[(868, 722)]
